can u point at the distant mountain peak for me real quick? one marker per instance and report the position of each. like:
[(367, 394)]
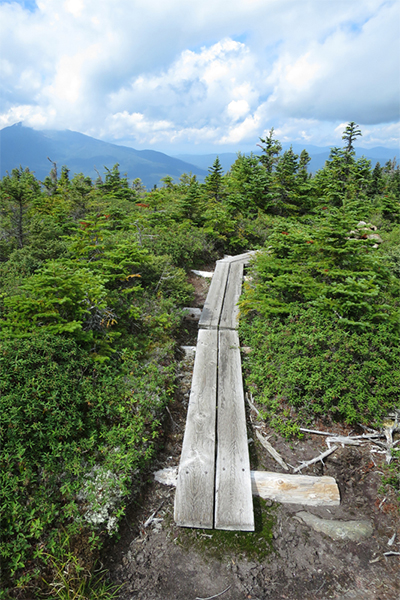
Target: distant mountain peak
[(22, 145)]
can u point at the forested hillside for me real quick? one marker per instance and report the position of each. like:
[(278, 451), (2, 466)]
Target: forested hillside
[(93, 282)]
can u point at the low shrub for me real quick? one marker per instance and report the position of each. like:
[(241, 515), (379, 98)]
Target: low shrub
[(75, 434), (305, 367)]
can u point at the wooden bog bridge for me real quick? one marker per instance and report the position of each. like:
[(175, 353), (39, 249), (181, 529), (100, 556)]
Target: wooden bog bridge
[(214, 487)]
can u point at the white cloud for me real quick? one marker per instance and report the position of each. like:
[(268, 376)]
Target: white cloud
[(194, 72), (237, 109), (75, 7)]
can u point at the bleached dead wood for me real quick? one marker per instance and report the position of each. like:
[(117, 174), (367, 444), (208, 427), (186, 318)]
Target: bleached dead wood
[(315, 431), (274, 453), (250, 403), (340, 439), (320, 457), (295, 489), (207, 274), (389, 428), (152, 518)]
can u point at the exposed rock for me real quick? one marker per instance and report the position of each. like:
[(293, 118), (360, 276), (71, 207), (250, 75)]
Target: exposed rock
[(338, 530), (375, 236)]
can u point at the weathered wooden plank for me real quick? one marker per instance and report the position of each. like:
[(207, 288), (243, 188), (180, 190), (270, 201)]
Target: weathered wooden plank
[(194, 498), (245, 258), (213, 305), (233, 497), (230, 310), (295, 489)]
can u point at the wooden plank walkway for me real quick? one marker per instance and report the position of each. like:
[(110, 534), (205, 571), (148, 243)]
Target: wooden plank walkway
[(230, 310), (194, 499), (211, 312), (214, 483), (233, 496)]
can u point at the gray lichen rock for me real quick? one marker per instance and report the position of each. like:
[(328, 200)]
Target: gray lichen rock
[(338, 530)]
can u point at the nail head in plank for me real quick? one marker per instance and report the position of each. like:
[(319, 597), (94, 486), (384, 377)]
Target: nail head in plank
[(194, 498), (233, 495)]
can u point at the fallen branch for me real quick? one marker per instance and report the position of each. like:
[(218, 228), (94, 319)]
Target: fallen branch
[(364, 436), (151, 518), (248, 395), (340, 439), (314, 431), (391, 553), (216, 595), (264, 441), (391, 541), (316, 459)]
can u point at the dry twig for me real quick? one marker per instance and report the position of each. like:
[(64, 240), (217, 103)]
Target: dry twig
[(264, 441), (307, 463), (248, 396), (216, 595)]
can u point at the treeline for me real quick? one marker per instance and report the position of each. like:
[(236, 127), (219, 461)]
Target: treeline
[(93, 282)]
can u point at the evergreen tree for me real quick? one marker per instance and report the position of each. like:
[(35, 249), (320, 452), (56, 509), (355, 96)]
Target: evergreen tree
[(271, 149), (214, 180), (16, 193), (350, 134)]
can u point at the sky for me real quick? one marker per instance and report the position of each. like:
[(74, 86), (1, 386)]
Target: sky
[(203, 76)]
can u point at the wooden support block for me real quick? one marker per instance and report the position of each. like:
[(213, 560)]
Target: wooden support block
[(295, 489), (233, 496), (230, 310), (194, 498), (279, 487), (211, 312), (192, 314)]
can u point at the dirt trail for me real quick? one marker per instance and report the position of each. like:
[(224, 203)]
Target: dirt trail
[(164, 562)]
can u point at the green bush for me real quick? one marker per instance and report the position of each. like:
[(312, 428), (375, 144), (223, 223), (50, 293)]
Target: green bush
[(74, 434), (186, 245), (330, 264), (305, 367)]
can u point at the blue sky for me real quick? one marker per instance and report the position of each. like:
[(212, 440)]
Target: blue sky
[(188, 76)]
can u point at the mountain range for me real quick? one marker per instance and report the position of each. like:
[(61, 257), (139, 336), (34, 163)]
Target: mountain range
[(81, 153), (20, 145)]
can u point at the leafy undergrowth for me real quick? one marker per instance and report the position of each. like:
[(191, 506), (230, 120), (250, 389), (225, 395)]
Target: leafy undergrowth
[(224, 544), (306, 367), (69, 578), (391, 476), (76, 434)]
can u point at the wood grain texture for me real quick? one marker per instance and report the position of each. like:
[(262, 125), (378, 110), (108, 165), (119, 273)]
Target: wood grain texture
[(233, 496), (244, 258), (295, 489), (230, 310), (194, 498), (211, 312)]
